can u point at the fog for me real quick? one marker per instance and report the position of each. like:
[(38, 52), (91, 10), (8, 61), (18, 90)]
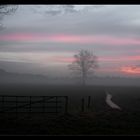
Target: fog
[(80, 64), (15, 78)]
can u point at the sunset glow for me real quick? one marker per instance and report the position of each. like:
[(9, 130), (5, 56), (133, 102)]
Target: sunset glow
[(50, 37), (131, 70), (66, 38)]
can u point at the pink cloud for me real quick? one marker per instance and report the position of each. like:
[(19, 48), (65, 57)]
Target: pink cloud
[(65, 38), (130, 70)]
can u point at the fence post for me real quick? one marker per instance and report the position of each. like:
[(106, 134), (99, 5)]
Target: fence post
[(89, 102), (56, 105), (43, 103), (30, 107), (16, 107), (83, 105), (3, 107), (66, 105)]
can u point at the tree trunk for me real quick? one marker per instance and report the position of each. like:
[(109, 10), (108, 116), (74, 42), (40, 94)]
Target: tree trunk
[(84, 80)]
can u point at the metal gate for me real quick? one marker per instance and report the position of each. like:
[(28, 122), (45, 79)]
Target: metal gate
[(34, 104)]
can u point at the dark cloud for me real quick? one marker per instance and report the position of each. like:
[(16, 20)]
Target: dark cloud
[(54, 10)]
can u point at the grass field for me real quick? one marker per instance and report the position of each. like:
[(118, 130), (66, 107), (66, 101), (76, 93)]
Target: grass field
[(99, 120)]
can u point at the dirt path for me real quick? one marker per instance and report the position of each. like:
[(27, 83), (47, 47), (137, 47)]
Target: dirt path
[(110, 102)]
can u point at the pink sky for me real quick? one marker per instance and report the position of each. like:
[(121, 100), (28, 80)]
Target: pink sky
[(66, 38), (125, 69), (49, 39), (131, 70), (84, 39)]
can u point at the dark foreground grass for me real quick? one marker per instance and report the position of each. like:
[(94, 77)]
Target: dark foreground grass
[(99, 120), (103, 123)]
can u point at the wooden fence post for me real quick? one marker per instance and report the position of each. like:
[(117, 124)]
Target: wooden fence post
[(66, 105), (16, 107), (43, 103), (89, 102), (83, 105), (56, 105), (3, 107), (30, 107)]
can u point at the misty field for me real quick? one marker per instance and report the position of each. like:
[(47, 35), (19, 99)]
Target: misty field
[(99, 119)]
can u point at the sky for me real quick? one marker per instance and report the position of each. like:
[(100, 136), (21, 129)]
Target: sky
[(42, 39)]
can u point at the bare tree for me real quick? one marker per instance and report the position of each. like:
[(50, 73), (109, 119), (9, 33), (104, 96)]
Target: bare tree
[(84, 64)]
